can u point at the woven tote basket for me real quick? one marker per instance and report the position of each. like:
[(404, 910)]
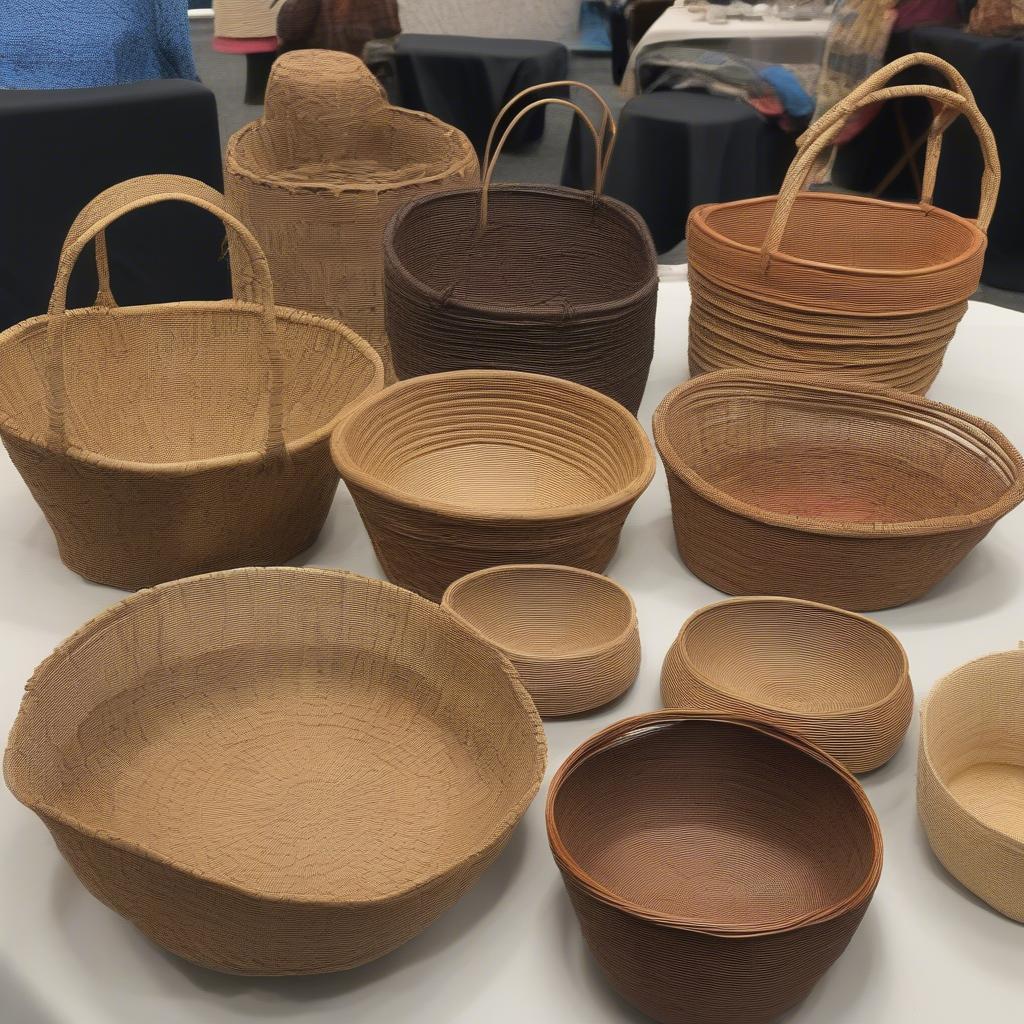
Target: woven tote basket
[(823, 282), (970, 778), (828, 489), (251, 766), (571, 634), (718, 867), (319, 175), (455, 472), (166, 440), (836, 678), (536, 278)]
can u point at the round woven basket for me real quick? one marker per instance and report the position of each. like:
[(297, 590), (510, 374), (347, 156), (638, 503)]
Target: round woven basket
[(718, 867), (826, 282), (970, 778), (455, 472), (571, 634), (836, 678), (277, 771), (166, 440), (828, 489)]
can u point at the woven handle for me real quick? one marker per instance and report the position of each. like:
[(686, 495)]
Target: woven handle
[(251, 281)]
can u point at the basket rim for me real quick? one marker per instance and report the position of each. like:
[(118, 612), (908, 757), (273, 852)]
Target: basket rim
[(1011, 497), (342, 576), (354, 474)]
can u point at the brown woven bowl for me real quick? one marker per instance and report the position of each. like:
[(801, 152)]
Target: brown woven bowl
[(718, 866), (455, 472), (571, 634), (826, 489), (834, 677), (277, 771)]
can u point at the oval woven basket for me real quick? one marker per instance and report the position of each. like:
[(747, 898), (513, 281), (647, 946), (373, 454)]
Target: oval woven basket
[(970, 777), (571, 634), (455, 472), (827, 282), (828, 489), (277, 771), (836, 678), (718, 867)]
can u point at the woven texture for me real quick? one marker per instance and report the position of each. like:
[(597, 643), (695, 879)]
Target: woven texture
[(320, 174), (571, 634), (244, 19), (455, 472), (718, 867), (824, 282), (970, 778), (833, 677), (166, 440), (277, 771), (828, 489)]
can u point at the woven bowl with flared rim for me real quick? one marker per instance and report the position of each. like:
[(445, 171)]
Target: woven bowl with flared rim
[(455, 472), (970, 778), (717, 866), (827, 489), (571, 634), (836, 678), (277, 771)]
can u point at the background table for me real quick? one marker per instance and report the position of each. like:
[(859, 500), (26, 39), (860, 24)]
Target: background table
[(510, 950)]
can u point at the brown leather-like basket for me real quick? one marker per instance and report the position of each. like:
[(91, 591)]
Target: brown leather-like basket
[(277, 771), (834, 677), (171, 439), (826, 282), (828, 489), (718, 867), (455, 472)]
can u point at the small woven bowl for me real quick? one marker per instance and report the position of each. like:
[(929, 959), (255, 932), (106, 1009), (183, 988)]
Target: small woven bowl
[(837, 678), (571, 634)]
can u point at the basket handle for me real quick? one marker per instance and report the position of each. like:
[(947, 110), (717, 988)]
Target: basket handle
[(250, 275)]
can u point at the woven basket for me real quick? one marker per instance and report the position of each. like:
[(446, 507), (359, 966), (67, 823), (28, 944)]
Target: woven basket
[(166, 440), (824, 282), (833, 677), (277, 771), (536, 278), (828, 489), (571, 634), (970, 778), (718, 867), (318, 177), (461, 471)]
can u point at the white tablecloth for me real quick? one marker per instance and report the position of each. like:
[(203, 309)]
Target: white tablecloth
[(510, 19)]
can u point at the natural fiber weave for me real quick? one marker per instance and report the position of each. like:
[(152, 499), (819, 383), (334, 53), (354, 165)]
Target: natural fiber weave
[(277, 771), (826, 282), (970, 778), (836, 678), (319, 175), (455, 472), (828, 489), (718, 867), (571, 634), (166, 440)]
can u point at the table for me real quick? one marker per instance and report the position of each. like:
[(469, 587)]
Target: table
[(510, 950)]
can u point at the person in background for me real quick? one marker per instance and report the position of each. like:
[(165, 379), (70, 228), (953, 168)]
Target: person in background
[(346, 25)]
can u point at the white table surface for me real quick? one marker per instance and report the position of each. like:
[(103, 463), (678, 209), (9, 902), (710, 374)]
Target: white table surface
[(510, 951)]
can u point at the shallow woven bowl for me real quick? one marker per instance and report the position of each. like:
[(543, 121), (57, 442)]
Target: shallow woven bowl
[(834, 677), (277, 771), (970, 780), (828, 489), (717, 866), (571, 634), (455, 472)]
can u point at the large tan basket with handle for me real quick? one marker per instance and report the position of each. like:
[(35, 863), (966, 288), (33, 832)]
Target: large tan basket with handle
[(165, 440), (824, 282)]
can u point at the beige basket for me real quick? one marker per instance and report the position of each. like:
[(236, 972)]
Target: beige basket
[(970, 779), (277, 771)]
